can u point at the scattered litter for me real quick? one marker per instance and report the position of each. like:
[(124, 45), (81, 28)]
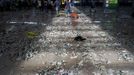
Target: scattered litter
[(79, 38), (31, 35), (125, 55)]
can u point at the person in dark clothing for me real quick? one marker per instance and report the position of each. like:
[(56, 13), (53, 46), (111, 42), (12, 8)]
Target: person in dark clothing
[(67, 8), (1, 5), (92, 7), (92, 4), (39, 4), (50, 5), (46, 6), (57, 6), (34, 3), (42, 5)]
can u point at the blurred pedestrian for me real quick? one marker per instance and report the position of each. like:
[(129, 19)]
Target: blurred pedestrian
[(92, 11), (52, 4), (106, 6), (57, 6), (67, 7), (62, 4), (92, 6), (46, 6), (1, 5), (34, 3), (72, 5), (39, 4), (42, 5)]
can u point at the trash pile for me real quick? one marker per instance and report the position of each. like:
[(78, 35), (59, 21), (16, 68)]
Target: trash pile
[(31, 35)]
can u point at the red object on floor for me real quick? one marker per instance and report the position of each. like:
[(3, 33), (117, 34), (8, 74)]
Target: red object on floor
[(74, 15)]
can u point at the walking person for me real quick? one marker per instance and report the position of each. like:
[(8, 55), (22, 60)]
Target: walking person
[(42, 5), (67, 7), (72, 5), (34, 3), (39, 4), (57, 6), (92, 8), (46, 6), (106, 6)]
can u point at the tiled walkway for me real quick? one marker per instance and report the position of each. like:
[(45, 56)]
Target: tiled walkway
[(106, 51)]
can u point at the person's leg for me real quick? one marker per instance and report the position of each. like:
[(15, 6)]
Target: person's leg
[(57, 10), (46, 9), (41, 7), (66, 12)]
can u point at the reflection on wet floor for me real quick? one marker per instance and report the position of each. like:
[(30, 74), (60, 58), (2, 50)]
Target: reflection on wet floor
[(39, 44)]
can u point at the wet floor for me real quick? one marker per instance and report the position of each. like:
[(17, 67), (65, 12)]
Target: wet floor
[(34, 42)]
